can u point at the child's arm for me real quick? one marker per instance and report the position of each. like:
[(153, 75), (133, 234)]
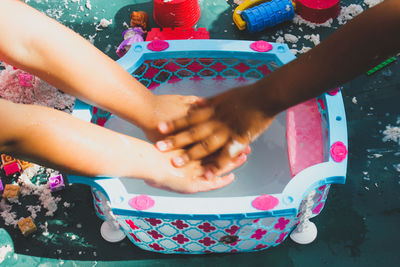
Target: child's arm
[(56, 139), (235, 118), (40, 45)]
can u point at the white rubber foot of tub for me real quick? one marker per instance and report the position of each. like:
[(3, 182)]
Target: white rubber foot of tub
[(111, 233), (307, 236)]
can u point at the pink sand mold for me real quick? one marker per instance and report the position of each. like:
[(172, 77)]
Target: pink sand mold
[(338, 151), (261, 46), (142, 202), (265, 202), (56, 183), (11, 168)]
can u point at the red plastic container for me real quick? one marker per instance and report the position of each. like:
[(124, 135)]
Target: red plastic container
[(318, 11), (176, 13)]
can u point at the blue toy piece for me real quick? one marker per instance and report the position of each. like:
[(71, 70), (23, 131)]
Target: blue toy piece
[(268, 14)]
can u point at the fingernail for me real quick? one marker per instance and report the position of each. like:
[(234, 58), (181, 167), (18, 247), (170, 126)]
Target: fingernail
[(209, 174), (163, 145), (241, 158), (178, 161), (163, 127), (230, 176)]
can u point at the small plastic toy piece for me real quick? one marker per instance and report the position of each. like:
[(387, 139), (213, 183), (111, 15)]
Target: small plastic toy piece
[(317, 11), (338, 151), (56, 183), (11, 191), (131, 35), (6, 159), (142, 202), (382, 65), (111, 232), (265, 202), (177, 34), (333, 91), (176, 13), (25, 79), (237, 18), (1, 186), (261, 46), (139, 21), (268, 14), (11, 168), (24, 164), (158, 45), (27, 226), (306, 236)]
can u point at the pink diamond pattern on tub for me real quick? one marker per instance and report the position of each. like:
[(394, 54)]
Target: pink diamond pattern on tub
[(167, 230), (193, 233), (222, 223), (202, 236), (168, 244), (142, 224), (221, 248)]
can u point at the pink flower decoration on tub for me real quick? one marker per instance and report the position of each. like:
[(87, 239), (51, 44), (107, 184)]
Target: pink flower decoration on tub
[(181, 239), (338, 151), (318, 208), (156, 247), (282, 222), (261, 46), (142, 202), (153, 221), (258, 234), (281, 238), (265, 202), (131, 224), (207, 227), (158, 45), (180, 224)]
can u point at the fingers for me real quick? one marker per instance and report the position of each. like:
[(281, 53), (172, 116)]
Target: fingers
[(227, 160), (194, 134), (194, 185), (194, 117), (204, 184), (203, 148)]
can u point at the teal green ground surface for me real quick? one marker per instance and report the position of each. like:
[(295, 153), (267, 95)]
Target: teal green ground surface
[(359, 225)]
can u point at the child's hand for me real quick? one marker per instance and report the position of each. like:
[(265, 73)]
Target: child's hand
[(222, 129), (190, 178), (167, 108)]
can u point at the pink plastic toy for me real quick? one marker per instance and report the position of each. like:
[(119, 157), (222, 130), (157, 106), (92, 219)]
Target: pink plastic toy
[(11, 168), (56, 183), (318, 11), (177, 34), (261, 46), (25, 79), (131, 35), (265, 202), (142, 202), (1, 186), (176, 13), (338, 151), (158, 45)]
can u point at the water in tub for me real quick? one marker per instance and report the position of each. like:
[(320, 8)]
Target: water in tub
[(267, 168)]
